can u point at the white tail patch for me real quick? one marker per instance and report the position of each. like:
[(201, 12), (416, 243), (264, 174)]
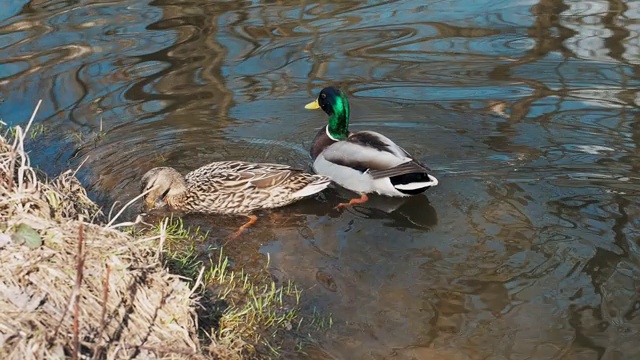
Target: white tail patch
[(418, 185), (320, 184)]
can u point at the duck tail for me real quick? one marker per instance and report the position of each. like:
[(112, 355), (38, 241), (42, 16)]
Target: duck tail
[(412, 184), (317, 183)]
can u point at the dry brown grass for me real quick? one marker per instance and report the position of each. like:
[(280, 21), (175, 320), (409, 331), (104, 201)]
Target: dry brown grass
[(87, 290), (71, 285)]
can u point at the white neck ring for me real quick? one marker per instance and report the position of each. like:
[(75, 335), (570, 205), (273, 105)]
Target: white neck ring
[(326, 129)]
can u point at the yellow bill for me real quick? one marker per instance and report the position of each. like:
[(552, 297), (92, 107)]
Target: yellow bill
[(312, 105)]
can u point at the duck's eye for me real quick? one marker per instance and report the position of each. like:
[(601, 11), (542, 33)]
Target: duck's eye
[(148, 186), (323, 96)]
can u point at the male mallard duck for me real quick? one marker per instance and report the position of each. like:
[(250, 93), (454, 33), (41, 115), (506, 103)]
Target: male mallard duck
[(364, 161), (229, 187)]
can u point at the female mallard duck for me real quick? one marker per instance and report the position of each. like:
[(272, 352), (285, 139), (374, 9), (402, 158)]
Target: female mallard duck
[(229, 187), (365, 161)]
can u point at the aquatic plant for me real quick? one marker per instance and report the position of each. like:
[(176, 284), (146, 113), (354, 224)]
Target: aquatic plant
[(243, 315)]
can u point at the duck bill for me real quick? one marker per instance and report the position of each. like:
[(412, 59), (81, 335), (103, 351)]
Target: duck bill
[(149, 204), (312, 105)]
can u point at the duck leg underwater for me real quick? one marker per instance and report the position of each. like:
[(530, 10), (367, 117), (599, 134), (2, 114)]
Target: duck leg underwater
[(361, 200), (252, 220)]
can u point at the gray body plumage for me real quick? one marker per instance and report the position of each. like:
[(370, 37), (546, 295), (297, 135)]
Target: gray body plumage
[(369, 162)]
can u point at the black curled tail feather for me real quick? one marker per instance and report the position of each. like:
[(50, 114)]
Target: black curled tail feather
[(408, 179)]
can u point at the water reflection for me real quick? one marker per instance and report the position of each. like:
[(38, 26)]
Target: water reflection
[(526, 110)]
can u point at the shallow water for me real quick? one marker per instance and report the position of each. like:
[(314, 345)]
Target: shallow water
[(526, 110)]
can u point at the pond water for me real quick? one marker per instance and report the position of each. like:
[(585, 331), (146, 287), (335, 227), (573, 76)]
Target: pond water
[(526, 110)]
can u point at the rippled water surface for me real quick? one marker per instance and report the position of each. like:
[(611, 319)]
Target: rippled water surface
[(526, 110)]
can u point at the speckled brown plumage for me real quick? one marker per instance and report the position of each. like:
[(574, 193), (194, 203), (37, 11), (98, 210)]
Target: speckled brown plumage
[(229, 187)]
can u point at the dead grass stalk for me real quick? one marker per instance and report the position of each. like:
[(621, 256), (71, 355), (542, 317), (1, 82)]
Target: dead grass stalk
[(56, 258)]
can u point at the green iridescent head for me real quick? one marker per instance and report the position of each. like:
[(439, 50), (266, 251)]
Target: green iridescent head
[(333, 102)]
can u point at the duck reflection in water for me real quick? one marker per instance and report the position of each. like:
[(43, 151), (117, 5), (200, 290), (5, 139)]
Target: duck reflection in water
[(414, 212)]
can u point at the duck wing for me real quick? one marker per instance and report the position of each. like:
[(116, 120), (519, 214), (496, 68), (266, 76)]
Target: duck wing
[(372, 152), (377, 141), (409, 167), (270, 179), (243, 166), (235, 176)]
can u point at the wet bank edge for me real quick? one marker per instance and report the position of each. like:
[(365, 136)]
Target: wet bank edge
[(156, 283)]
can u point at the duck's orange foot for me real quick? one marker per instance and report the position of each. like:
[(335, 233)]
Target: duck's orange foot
[(241, 229), (362, 199)]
